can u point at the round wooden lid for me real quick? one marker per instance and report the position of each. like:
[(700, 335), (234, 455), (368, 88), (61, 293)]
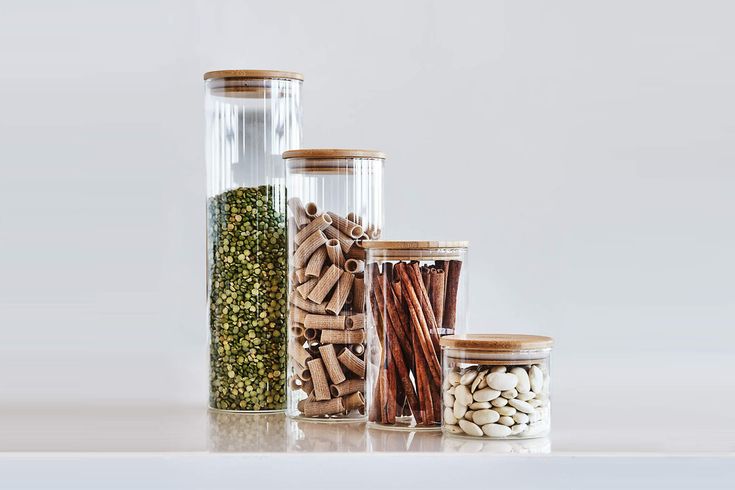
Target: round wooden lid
[(497, 342), (327, 153), (411, 244), (262, 74)]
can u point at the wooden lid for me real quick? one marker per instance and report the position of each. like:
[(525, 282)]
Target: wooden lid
[(497, 342), (328, 153), (411, 244), (262, 74)]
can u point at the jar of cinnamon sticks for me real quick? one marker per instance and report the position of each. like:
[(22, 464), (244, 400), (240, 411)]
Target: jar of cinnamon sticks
[(335, 201), (416, 295)]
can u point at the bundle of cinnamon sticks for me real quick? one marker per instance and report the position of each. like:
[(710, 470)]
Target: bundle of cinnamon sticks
[(327, 311), (411, 306)]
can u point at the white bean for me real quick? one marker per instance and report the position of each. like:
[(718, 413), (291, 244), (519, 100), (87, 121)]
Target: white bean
[(524, 383), (496, 430), (502, 381), (470, 428)]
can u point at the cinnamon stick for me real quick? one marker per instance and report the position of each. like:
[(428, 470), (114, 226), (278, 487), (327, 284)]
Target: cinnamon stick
[(414, 274), (418, 320), (450, 299), (436, 295)]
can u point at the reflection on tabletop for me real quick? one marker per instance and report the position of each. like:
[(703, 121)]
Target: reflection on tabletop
[(274, 432)]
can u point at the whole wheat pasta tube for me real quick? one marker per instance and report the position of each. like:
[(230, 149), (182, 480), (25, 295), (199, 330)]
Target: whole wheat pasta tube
[(300, 404), (344, 241), (355, 218), (339, 296), (317, 224), (297, 330), (346, 226), (298, 211), (342, 336), (308, 247), (306, 288), (325, 284), (316, 261), (353, 401), (319, 378), (307, 386), (298, 353), (355, 321), (331, 364), (311, 334), (358, 349), (298, 276), (373, 232), (297, 315), (354, 266), (302, 372), (312, 210), (295, 383), (352, 362), (334, 252), (320, 322), (348, 386), (305, 304), (328, 407), (358, 295)]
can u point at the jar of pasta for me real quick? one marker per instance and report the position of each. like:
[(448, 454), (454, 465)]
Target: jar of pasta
[(335, 201)]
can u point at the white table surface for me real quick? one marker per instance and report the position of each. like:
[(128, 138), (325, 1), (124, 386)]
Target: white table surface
[(652, 439)]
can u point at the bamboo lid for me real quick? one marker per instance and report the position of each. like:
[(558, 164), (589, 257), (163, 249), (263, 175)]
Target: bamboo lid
[(412, 244), (261, 74), (497, 342), (332, 153)]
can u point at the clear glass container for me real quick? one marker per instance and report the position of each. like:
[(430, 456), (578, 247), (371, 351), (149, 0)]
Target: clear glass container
[(417, 294), (335, 205), (496, 386), (252, 116)]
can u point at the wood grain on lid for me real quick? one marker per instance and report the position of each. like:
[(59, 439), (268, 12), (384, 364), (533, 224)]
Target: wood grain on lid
[(262, 74), (497, 342), (411, 244), (327, 153)]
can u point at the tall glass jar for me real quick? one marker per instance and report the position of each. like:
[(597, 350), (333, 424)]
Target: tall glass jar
[(252, 116), (417, 294), (335, 206), (496, 386)]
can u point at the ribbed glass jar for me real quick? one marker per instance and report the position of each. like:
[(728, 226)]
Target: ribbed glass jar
[(252, 116), (335, 206), (417, 294), (496, 386)]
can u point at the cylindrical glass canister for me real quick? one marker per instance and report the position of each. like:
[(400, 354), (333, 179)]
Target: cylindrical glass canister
[(335, 207), (496, 386), (252, 116), (417, 294)]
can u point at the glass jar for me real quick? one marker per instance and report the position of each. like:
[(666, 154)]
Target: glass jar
[(417, 294), (252, 116), (496, 385), (335, 205)]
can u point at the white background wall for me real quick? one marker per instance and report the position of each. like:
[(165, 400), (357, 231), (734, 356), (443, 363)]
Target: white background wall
[(585, 149)]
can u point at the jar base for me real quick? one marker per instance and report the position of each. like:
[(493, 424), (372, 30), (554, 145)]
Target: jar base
[(519, 437), (403, 428), (245, 412), (333, 420)]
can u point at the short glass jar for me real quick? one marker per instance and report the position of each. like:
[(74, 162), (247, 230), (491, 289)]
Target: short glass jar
[(496, 385), (417, 294), (335, 202)]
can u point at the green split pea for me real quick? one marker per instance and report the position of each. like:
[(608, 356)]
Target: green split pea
[(247, 300)]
